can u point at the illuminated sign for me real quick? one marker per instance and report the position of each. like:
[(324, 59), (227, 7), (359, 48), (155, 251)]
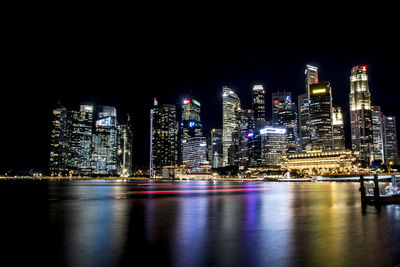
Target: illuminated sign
[(276, 102), (319, 91), (192, 124), (88, 108), (106, 122), (390, 118), (196, 102), (258, 87), (271, 130), (287, 98), (186, 101)]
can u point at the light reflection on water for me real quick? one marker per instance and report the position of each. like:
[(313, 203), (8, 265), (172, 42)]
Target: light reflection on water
[(290, 224)]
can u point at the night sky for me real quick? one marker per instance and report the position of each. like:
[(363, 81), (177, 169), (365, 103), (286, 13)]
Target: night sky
[(128, 68)]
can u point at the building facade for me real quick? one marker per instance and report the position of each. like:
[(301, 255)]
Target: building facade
[(194, 153), (338, 129), (321, 115), (377, 133), (360, 114), (104, 142), (390, 140), (59, 147), (230, 124), (125, 152), (164, 137)]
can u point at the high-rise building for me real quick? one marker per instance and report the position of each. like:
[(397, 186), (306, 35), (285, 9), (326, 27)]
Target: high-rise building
[(194, 152), (258, 103), (321, 115), (215, 148), (377, 133), (360, 114), (311, 76), (164, 139), (59, 142), (338, 129), (390, 140), (304, 121), (190, 122), (274, 145), (230, 124), (190, 125), (285, 115), (246, 125), (80, 143), (278, 98), (125, 137), (104, 142)]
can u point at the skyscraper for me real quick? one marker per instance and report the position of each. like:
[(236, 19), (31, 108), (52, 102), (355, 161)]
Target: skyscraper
[(377, 133), (304, 122), (190, 122), (338, 128), (230, 106), (311, 77), (59, 142), (80, 143), (277, 99), (285, 115), (194, 152), (190, 125), (360, 114), (104, 142), (125, 148), (163, 137), (258, 103), (274, 145), (321, 115), (215, 148), (390, 140)]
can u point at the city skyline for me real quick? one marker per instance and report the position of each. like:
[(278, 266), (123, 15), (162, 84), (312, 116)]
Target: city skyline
[(275, 73)]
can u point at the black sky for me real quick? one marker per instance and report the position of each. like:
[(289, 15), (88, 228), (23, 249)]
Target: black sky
[(127, 67)]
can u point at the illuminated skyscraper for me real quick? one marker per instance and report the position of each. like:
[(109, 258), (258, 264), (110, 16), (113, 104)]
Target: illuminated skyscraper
[(190, 122), (194, 152), (321, 115), (104, 142), (230, 124), (338, 128), (59, 142), (258, 103), (215, 148), (164, 134), (125, 148), (304, 122), (311, 77), (80, 143), (190, 125), (285, 115), (360, 114), (390, 140), (377, 133), (274, 145), (277, 99)]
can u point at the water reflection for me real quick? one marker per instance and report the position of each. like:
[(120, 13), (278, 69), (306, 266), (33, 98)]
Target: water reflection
[(290, 224)]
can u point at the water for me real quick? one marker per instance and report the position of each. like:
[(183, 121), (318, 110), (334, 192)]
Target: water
[(95, 223)]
